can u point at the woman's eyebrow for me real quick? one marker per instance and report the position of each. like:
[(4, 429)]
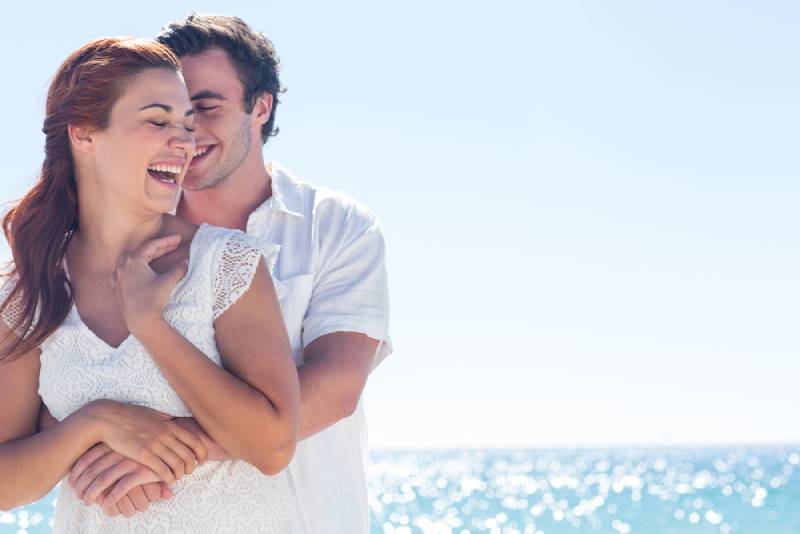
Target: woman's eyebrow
[(166, 108)]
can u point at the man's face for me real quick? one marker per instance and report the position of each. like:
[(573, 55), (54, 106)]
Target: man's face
[(223, 130)]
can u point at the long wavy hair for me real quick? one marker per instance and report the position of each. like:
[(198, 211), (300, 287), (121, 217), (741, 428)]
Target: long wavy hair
[(39, 227)]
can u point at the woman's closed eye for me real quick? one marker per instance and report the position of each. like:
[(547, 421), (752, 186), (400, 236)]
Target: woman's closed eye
[(158, 124)]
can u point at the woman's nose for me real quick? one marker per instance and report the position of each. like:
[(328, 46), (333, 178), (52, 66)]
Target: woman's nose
[(184, 141)]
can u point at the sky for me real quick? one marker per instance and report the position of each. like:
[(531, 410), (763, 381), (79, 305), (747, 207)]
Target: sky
[(590, 208)]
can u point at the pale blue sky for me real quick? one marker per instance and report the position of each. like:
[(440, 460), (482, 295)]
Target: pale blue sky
[(590, 207)]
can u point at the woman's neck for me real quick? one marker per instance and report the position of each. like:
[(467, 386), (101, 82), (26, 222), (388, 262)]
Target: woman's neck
[(102, 239)]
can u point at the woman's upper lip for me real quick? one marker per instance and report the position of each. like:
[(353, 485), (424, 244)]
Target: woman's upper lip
[(171, 162)]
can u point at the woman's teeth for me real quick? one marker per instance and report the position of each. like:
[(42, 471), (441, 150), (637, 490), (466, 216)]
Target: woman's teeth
[(164, 173), (174, 169)]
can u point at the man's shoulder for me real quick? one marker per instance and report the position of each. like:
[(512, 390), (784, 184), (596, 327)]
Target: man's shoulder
[(327, 206)]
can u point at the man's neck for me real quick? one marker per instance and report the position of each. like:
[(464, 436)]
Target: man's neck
[(230, 203)]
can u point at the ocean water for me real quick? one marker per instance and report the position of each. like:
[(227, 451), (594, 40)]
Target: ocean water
[(751, 490)]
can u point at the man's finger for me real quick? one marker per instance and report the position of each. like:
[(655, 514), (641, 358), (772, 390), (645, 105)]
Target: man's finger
[(105, 479), (139, 499), (87, 459), (156, 248), (111, 511), (127, 483), (152, 490), (93, 471), (126, 507)]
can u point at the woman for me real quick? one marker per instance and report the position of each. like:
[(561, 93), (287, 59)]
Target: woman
[(121, 317)]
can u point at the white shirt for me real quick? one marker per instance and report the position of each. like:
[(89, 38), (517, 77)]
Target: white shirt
[(332, 268)]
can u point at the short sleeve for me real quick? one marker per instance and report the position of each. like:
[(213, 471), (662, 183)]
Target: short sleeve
[(351, 291), (235, 265), (13, 311)]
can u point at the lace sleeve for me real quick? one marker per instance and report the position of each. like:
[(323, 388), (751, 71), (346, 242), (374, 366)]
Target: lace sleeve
[(13, 311), (235, 266)]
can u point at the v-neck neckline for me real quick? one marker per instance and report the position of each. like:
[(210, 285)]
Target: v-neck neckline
[(82, 324)]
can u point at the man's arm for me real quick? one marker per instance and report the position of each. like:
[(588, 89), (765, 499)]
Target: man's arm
[(332, 378)]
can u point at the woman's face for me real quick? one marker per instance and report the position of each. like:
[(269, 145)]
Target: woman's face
[(140, 159)]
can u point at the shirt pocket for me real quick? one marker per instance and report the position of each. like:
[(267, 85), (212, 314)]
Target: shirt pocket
[(294, 305)]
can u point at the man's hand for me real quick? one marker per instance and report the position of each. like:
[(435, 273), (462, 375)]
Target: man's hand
[(137, 500), (98, 473), (121, 486)]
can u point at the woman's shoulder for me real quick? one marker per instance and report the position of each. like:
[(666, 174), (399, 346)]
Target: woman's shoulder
[(230, 240)]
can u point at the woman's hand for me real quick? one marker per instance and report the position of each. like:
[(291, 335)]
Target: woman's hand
[(141, 292), (149, 437)]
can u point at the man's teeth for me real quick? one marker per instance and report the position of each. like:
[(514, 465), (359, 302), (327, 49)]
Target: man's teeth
[(201, 151)]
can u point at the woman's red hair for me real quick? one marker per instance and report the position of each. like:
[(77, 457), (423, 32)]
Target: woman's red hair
[(38, 228)]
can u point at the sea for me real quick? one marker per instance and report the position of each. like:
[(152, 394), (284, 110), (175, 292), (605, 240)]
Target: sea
[(676, 490)]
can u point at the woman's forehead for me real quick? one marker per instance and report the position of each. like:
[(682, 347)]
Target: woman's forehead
[(155, 86)]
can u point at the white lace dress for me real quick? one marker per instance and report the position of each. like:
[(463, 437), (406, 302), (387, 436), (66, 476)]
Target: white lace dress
[(78, 367)]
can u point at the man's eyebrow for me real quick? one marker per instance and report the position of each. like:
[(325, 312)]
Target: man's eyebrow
[(206, 93)]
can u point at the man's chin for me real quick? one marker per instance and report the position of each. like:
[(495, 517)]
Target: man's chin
[(192, 183)]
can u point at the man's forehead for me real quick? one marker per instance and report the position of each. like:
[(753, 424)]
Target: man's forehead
[(210, 71)]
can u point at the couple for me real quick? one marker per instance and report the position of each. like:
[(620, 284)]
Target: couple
[(196, 372)]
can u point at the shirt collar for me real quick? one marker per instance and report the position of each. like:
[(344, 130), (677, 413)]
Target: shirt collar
[(286, 194)]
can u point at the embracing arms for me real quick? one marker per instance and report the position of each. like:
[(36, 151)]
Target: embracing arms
[(31, 463), (250, 408)]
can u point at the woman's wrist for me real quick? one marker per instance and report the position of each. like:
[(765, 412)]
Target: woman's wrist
[(147, 329), (90, 419)]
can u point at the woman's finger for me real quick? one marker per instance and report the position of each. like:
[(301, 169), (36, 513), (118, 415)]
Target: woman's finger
[(87, 459), (158, 466), (186, 455), (192, 441), (106, 479), (155, 248), (174, 461), (139, 499)]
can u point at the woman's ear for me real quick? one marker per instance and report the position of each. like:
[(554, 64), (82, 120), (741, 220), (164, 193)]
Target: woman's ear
[(80, 138)]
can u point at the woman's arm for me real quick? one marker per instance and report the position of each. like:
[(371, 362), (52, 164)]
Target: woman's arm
[(250, 408), (31, 464)]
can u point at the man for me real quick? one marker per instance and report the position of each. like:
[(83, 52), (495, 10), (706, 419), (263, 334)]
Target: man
[(331, 261)]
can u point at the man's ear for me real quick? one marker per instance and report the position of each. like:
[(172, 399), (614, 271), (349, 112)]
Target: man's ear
[(262, 109), (81, 138)]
